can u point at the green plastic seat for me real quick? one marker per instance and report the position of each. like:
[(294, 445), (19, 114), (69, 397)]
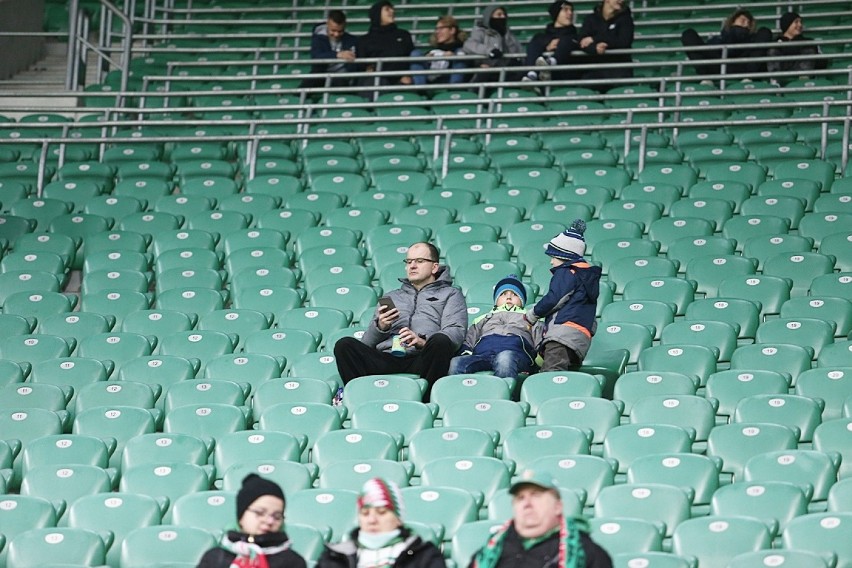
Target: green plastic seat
[(769, 292), (40, 546), (813, 471), (527, 444), (653, 502), (332, 510), (118, 347), (698, 473), (628, 442), (626, 536), (718, 539), (430, 444), (106, 393), (633, 385), (35, 347), (239, 447), (164, 544), (818, 533), (307, 419), (446, 507), (402, 419)]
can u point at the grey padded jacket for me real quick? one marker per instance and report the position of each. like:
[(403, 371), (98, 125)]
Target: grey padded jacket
[(437, 307)]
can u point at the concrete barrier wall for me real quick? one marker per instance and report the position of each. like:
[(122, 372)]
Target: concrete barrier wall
[(18, 53)]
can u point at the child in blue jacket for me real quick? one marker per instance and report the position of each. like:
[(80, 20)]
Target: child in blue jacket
[(568, 307), (500, 340)]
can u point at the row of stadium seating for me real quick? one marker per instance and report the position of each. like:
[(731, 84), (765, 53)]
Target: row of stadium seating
[(177, 262)]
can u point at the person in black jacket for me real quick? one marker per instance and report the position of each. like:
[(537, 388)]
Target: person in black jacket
[(538, 535), (789, 44), (608, 27), (738, 32), (554, 45), (331, 41), (259, 542), (385, 39), (381, 539)]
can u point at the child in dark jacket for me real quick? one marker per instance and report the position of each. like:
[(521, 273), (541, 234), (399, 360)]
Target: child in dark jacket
[(500, 340), (568, 308)]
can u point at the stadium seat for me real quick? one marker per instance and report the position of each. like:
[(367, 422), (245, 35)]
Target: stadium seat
[(147, 546), (432, 443), (819, 533), (775, 503), (481, 476), (716, 540), (351, 445), (325, 509), (620, 535), (121, 512), (39, 547), (448, 508), (657, 503)]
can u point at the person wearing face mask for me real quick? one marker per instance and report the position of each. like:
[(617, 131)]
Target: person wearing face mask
[(739, 31), (789, 44), (446, 41), (492, 39), (386, 39), (381, 540), (259, 540), (608, 27)]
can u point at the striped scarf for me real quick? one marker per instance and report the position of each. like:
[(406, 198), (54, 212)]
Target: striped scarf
[(250, 554), (571, 552)]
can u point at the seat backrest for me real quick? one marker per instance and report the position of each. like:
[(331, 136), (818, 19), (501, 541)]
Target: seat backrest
[(717, 540), (164, 544), (651, 502)]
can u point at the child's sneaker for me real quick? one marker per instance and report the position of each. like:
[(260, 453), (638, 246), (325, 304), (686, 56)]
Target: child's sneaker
[(531, 76), (545, 61)]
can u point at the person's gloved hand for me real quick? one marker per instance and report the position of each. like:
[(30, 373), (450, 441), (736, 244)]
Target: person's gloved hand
[(495, 53)]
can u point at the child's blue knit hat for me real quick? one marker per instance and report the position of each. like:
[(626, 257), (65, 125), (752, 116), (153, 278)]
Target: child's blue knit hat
[(569, 244), (513, 283)]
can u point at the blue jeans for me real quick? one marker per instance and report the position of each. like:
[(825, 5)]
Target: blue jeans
[(504, 364), (422, 65)]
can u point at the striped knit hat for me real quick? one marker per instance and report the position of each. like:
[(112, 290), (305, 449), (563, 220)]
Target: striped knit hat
[(380, 493), (569, 244)]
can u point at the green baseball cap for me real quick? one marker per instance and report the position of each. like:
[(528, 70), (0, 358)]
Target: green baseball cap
[(540, 479)]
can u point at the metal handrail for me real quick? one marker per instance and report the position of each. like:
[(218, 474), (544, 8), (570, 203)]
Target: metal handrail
[(79, 44)]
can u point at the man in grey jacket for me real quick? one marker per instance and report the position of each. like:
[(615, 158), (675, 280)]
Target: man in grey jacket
[(417, 327)]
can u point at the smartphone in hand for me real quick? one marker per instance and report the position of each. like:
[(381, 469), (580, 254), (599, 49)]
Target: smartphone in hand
[(387, 303)]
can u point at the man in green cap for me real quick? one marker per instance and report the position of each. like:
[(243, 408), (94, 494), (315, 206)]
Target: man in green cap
[(538, 535)]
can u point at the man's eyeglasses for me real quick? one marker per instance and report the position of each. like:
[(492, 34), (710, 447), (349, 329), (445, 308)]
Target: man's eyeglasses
[(277, 517), (417, 261)]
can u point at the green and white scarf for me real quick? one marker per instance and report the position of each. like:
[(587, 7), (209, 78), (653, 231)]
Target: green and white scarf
[(571, 552)]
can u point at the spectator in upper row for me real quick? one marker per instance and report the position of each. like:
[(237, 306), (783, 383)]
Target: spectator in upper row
[(386, 39), (791, 27), (446, 41), (554, 45), (608, 27), (492, 38), (739, 31), (331, 41)]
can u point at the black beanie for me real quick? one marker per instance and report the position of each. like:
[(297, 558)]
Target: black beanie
[(376, 12), (786, 20), (254, 487), (556, 6)]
